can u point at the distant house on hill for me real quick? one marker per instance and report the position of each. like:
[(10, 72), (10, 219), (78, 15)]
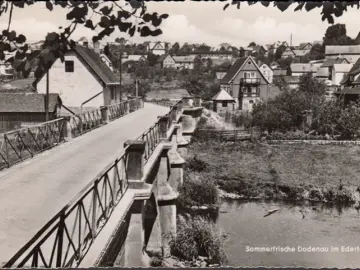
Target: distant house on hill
[(17, 109), (177, 62), (279, 72), (158, 48), (339, 72), (83, 79), (267, 71), (245, 82), (167, 94), (299, 69), (223, 102), (351, 53)]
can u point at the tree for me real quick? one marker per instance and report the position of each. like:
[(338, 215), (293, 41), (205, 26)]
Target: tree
[(252, 44), (279, 51), (336, 35), (174, 50), (317, 52), (111, 15)]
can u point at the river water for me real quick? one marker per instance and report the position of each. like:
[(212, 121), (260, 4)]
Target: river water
[(321, 226)]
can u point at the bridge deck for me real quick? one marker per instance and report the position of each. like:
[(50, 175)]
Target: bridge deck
[(34, 191)]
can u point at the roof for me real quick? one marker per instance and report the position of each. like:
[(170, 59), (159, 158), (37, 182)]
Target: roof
[(223, 96), (162, 58), (344, 68), (279, 72), (21, 84), (301, 52), (292, 79), (299, 68), (167, 94), (331, 62), (27, 102), (353, 71), (233, 70), (133, 58), (184, 59), (350, 91), (322, 72), (340, 49), (94, 60), (220, 75)]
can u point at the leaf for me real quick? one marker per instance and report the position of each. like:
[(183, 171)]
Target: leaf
[(164, 16), (49, 5), (123, 14), (156, 32), (147, 17), (283, 5), (89, 24), (124, 26), (135, 3), (106, 10), (104, 22), (226, 6), (12, 36), (19, 4), (156, 21), (299, 7), (265, 3), (330, 19), (132, 31), (21, 39), (51, 37)]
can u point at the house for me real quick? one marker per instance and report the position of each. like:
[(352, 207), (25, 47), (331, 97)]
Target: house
[(351, 53), (135, 58), (245, 82), (339, 71), (278, 72), (223, 102), (19, 85), (18, 109), (299, 69), (158, 48), (83, 79), (326, 68), (305, 46), (246, 51), (167, 94), (215, 55), (273, 47), (177, 62), (267, 71), (294, 53), (292, 81)]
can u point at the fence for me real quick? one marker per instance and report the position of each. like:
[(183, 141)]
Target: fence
[(20, 144), (166, 103), (65, 239), (226, 135)]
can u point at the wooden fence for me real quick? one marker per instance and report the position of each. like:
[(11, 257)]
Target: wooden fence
[(224, 135)]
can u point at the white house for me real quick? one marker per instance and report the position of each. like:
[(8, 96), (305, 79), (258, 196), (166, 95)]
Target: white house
[(299, 69), (178, 62), (83, 79), (223, 102), (339, 71), (350, 53), (268, 72), (158, 48)]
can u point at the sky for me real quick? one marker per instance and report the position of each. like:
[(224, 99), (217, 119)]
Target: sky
[(200, 22)]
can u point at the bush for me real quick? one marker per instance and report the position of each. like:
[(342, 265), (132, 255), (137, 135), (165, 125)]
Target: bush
[(197, 192), (198, 237), (294, 136), (197, 165)]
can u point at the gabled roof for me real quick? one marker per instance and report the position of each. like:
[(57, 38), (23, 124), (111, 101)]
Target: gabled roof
[(301, 52), (300, 67), (343, 68), (162, 58), (237, 66), (353, 71), (158, 43), (223, 96), (183, 59), (340, 49), (27, 102), (331, 62)]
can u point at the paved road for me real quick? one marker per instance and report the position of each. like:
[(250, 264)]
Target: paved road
[(34, 191)]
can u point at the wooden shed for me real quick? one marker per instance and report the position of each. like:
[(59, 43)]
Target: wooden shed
[(223, 102), (26, 108)]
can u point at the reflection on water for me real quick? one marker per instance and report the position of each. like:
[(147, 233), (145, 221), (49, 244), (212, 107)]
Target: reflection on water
[(293, 225)]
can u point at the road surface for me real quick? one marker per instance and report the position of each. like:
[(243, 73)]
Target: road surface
[(33, 191)]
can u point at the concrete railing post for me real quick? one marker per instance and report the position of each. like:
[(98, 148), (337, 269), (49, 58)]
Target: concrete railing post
[(166, 199), (66, 129), (135, 163), (105, 115), (197, 101), (163, 126), (127, 107), (182, 142), (176, 161)]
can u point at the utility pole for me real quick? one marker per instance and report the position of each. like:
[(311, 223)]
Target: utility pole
[(291, 40), (136, 88), (47, 98), (120, 76)]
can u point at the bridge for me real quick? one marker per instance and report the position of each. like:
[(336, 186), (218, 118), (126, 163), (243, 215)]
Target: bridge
[(105, 171)]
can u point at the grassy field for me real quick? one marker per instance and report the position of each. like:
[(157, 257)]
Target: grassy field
[(315, 172)]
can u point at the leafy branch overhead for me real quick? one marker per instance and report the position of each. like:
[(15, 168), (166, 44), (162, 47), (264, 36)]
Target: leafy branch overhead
[(103, 17), (329, 9)]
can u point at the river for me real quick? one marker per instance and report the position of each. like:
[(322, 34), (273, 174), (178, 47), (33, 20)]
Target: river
[(321, 226)]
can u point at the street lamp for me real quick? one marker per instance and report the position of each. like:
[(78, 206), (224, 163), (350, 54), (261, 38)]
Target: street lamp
[(121, 56)]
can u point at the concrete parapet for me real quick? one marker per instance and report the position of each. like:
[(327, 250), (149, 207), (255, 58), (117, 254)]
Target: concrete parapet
[(105, 116), (163, 126), (135, 163)]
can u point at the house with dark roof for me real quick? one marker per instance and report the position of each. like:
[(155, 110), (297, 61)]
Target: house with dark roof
[(158, 48), (325, 70), (83, 79), (350, 84), (26, 108), (245, 82), (177, 62)]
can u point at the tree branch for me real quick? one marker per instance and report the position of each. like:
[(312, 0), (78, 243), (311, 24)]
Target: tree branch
[(10, 15)]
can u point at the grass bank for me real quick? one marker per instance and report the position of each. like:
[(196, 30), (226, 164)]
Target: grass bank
[(328, 173)]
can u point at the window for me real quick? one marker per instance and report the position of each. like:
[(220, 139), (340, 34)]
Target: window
[(251, 101), (224, 104), (69, 66), (112, 93)]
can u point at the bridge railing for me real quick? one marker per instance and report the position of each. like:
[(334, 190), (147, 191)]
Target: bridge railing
[(119, 109), (20, 144), (65, 239), (152, 135)]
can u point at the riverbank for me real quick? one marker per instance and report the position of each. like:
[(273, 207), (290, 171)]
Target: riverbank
[(246, 170)]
